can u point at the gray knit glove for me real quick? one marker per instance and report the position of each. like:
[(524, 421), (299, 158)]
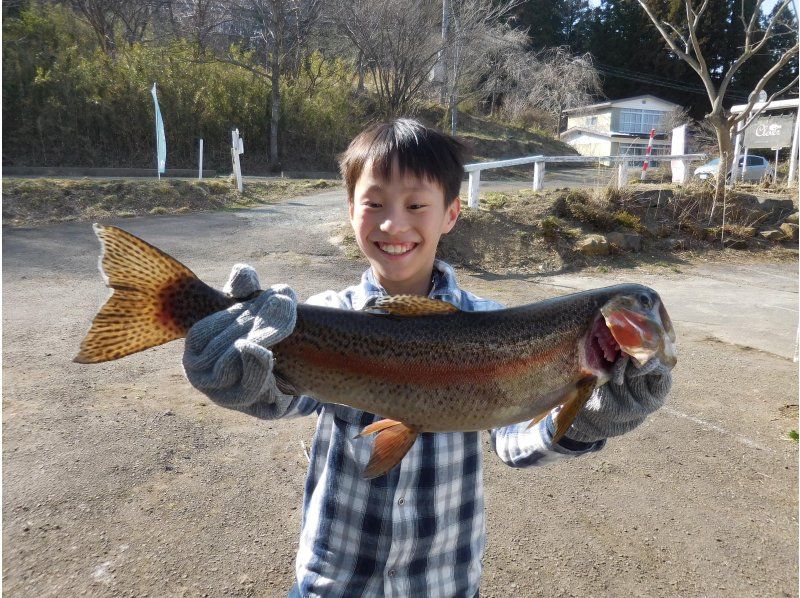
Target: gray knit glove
[(624, 402), (227, 354)]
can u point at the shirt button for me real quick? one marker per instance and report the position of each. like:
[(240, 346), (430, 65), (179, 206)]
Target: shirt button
[(401, 502), (392, 573)]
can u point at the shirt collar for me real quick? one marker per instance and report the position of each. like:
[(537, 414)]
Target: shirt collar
[(444, 286)]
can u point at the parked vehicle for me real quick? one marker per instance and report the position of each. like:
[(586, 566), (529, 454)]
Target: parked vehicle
[(758, 169)]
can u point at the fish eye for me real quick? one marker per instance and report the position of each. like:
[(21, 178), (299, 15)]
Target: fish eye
[(646, 301)]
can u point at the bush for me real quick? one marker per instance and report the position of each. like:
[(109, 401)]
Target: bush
[(66, 102)]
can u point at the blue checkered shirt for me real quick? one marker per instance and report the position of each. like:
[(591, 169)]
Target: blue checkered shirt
[(420, 529)]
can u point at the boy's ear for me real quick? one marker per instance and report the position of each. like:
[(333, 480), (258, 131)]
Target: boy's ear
[(453, 210)]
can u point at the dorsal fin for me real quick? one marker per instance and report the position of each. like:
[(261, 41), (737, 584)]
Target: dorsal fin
[(411, 305)]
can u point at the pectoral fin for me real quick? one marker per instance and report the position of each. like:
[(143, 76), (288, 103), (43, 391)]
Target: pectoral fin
[(393, 441), (411, 305), (569, 411)]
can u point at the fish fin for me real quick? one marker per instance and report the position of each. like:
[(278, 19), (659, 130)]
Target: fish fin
[(154, 299), (536, 420), (377, 426), (411, 305), (577, 399), (393, 441), (285, 386)]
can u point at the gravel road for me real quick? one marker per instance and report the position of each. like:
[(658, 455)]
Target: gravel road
[(120, 480)]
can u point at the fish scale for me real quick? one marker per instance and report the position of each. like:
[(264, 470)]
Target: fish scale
[(422, 364)]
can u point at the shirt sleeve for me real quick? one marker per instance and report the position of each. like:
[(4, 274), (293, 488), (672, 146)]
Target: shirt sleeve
[(520, 446)]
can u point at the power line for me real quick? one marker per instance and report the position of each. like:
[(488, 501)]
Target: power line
[(622, 73)]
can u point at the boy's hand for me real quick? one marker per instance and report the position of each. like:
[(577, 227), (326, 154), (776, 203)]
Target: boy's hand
[(624, 402), (227, 354)]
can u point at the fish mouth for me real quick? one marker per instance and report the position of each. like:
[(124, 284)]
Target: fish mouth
[(600, 349)]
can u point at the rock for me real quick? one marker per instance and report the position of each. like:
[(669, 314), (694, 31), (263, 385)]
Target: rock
[(592, 245), (769, 204), (773, 235), (790, 230), (793, 219), (658, 230), (625, 241), (734, 243), (747, 231), (675, 244)]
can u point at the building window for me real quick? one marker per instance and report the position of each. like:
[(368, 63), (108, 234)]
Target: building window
[(592, 120), (632, 120)]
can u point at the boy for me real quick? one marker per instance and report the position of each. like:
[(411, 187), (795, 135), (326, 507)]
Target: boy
[(418, 530)]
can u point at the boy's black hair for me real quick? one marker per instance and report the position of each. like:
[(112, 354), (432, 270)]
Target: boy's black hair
[(425, 152)]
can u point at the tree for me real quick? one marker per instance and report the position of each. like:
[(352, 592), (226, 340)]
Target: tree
[(551, 80), (681, 34), (397, 43), (476, 42), (278, 28)]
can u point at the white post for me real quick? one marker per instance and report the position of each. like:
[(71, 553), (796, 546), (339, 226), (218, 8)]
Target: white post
[(735, 161), (679, 167), (744, 163), (200, 167), (538, 176), (237, 148), (647, 153), (474, 187), (793, 155), (775, 176), (622, 175)]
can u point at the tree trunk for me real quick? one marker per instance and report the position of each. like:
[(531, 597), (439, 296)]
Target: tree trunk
[(443, 66), (275, 77), (361, 88), (725, 146)]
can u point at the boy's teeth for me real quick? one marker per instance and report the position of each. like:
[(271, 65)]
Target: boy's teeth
[(396, 249)]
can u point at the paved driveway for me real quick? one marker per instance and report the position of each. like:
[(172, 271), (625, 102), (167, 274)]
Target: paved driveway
[(119, 479)]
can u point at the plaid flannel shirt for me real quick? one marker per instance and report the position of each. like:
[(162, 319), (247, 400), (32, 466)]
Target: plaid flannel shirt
[(419, 530)]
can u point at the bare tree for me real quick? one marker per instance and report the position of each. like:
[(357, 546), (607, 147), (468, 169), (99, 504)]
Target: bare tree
[(398, 44), (277, 29), (106, 16), (476, 40), (551, 80), (683, 40), (199, 21)]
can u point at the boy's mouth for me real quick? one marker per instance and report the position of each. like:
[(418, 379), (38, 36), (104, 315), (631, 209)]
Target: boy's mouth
[(395, 248)]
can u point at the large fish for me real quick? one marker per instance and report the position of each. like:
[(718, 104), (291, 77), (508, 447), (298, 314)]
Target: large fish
[(422, 364)]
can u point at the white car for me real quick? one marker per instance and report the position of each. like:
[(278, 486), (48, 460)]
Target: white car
[(758, 169)]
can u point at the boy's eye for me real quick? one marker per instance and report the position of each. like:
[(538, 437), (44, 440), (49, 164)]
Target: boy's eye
[(416, 206), (372, 204)]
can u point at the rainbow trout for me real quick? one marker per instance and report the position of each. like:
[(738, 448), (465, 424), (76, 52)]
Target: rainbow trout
[(422, 364)]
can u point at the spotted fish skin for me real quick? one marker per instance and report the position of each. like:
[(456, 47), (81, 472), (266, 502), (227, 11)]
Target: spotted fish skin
[(453, 372), (422, 364)]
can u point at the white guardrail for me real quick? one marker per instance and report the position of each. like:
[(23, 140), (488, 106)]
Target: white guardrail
[(539, 162)]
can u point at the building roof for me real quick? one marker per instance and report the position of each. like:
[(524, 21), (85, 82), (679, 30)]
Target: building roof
[(612, 103)]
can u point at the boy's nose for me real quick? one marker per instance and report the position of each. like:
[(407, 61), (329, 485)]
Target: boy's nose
[(394, 223)]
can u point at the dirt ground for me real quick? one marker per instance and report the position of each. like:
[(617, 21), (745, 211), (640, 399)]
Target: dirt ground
[(121, 480)]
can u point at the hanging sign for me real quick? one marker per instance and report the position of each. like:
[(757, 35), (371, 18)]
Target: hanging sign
[(769, 132)]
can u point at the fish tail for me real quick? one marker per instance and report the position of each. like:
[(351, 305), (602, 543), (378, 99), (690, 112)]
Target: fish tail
[(154, 299)]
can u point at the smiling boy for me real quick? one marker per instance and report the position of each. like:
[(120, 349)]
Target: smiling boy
[(419, 530)]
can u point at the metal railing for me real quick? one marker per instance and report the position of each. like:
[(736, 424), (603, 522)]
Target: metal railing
[(539, 162)]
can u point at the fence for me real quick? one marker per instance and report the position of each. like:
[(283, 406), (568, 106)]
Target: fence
[(474, 170)]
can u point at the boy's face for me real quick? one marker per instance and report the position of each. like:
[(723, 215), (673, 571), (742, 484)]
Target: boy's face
[(398, 223)]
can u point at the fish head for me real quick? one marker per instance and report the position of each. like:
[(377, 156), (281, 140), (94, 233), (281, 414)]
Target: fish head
[(641, 326)]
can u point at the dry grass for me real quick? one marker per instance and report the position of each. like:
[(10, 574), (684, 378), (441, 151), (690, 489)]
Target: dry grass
[(35, 201)]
